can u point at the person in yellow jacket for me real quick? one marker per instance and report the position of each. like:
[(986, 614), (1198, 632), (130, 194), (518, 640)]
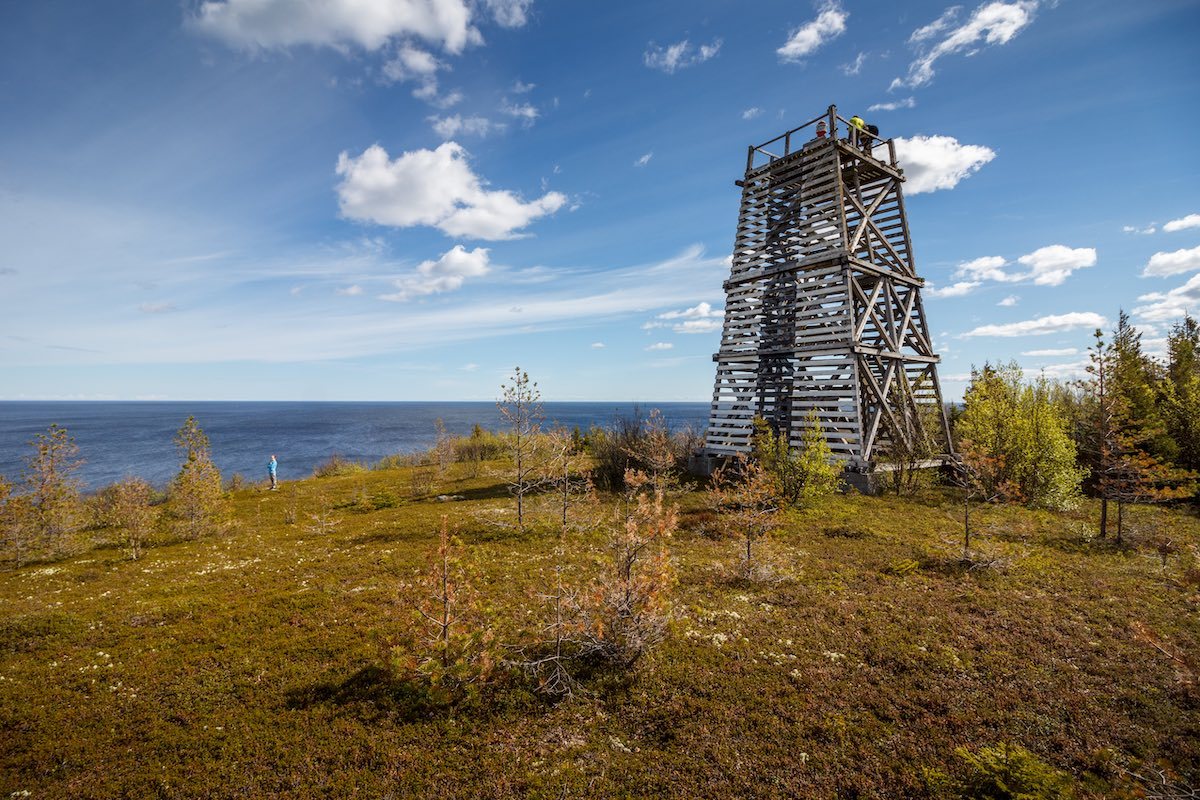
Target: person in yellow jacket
[(860, 125)]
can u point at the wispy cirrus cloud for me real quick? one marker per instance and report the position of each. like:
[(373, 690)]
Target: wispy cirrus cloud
[(1054, 323), (679, 56), (1052, 352), (450, 126), (700, 318), (993, 23), (855, 66), (908, 102)]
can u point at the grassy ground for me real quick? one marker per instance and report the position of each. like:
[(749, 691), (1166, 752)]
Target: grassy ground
[(254, 664)]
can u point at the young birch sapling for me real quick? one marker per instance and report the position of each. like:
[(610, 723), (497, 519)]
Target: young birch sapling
[(132, 514)]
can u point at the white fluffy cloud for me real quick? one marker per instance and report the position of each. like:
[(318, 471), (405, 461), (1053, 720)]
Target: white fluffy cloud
[(985, 268), (938, 162), (1180, 261), (679, 55), (1055, 323), (436, 188), (1146, 231), (954, 290), (808, 38), (451, 126), (1046, 266), (661, 346), (908, 102), (1164, 306), (1053, 264), (643, 160), (444, 275), (700, 318), (369, 24), (992, 23), (1183, 223), (598, 345), (1009, 301), (751, 113)]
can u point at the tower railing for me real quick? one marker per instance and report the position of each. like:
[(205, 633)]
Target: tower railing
[(790, 143)]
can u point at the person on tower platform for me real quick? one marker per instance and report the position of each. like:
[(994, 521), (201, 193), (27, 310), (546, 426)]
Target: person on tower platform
[(857, 126)]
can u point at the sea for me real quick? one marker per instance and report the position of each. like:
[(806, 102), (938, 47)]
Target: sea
[(136, 439)]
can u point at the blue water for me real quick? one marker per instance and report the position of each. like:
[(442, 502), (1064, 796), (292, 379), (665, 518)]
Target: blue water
[(117, 440)]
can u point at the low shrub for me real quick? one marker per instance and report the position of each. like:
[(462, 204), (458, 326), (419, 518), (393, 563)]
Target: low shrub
[(481, 445), (337, 467)]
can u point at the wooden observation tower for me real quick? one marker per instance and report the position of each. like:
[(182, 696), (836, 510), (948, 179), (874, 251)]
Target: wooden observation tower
[(823, 313)]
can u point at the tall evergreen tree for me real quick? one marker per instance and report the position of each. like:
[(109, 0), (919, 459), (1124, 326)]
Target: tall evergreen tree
[(1181, 391), (1123, 469), (1137, 379)]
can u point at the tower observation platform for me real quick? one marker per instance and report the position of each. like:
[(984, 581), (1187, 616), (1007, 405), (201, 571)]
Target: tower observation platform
[(823, 312)]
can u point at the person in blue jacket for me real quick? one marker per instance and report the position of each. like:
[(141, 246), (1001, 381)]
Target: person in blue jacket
[(272, 465)]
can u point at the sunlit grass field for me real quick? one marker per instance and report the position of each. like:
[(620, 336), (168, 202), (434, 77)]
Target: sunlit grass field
[(256, 663)]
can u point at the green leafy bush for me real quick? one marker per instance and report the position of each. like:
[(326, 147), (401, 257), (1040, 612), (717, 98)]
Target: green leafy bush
[(337, 467)]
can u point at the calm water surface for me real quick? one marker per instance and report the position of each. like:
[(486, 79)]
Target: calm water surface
[(121, 439)]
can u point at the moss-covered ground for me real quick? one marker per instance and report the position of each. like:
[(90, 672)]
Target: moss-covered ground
[(254, 663)]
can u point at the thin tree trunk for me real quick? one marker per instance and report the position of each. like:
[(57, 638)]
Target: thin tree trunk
[(1103, 517), (966, 527)]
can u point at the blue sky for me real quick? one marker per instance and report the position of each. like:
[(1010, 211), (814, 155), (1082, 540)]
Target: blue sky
[(402, 199)]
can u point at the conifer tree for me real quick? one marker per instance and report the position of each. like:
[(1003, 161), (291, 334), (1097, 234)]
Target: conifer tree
[(1181, 399), (1122, 469), (1138, 379), (521, 406), (628, 606), (448, 640), (53, 491), (196, 498), (747, 499)]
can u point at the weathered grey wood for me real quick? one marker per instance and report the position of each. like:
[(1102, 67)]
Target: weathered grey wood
[(823, 312)]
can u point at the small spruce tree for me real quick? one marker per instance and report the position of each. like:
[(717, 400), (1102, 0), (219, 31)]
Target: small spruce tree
[(196, 498), (448, 644), (53, 491)]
